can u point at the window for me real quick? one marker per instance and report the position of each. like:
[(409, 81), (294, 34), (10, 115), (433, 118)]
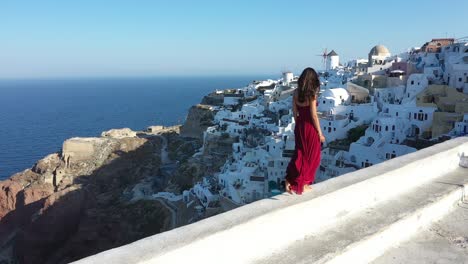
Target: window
[(396, 113), (366, 164), (393, 127), (412, 82), (420, 116), (460, 79), (415, 116), (386, 128), (425, 116)]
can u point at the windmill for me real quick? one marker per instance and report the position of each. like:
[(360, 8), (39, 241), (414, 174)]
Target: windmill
[(324, 56)]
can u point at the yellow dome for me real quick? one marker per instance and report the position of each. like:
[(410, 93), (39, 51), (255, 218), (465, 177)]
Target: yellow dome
[(379, 50)]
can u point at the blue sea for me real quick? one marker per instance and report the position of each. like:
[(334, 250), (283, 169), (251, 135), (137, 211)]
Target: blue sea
[(36, 116)]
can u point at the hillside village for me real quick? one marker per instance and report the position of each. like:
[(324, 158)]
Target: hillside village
[(370, 110)]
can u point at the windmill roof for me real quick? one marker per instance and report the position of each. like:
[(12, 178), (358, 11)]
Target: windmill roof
[(332, 53)]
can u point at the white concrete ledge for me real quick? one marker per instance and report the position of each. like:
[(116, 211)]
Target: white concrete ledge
[(372, 247), (255, 230)]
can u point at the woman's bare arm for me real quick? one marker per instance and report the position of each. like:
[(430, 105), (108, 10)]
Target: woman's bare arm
[(294, 106), (313, 113)]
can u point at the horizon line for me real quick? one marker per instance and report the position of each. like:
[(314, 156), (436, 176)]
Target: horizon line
[(87, 77)]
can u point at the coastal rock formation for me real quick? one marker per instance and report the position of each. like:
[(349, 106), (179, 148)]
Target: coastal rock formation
[(9, 189), (155, 129), (213, 99), (199, 118), (119, 133), (73, 204)]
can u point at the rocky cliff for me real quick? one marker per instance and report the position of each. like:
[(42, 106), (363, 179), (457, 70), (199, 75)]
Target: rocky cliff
[(199, 118), (97, 193), (72, 204)]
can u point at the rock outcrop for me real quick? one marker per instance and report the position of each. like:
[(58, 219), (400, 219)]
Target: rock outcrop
[(213, 99), (9, 189), (199, 118), (119, 133)]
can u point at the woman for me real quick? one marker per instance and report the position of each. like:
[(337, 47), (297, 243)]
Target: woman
[(308, 135)]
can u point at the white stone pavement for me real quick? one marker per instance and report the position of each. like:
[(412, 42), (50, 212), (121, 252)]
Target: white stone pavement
[(443, 242)]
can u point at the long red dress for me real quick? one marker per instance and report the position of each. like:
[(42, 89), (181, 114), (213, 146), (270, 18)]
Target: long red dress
[(306, 158)]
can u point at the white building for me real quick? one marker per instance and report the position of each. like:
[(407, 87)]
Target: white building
[(333, 60), (339, 115), (242, 182), (287, 77), (358, 66), (330, 98), (203, 193), (415, 84), (461, 128), (379, 60), (456, 66)]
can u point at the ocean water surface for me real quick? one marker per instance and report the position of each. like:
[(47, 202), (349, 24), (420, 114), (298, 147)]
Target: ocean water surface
[(36, 116)]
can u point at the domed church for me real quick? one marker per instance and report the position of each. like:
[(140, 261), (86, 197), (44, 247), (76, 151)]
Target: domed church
[(377, 55)]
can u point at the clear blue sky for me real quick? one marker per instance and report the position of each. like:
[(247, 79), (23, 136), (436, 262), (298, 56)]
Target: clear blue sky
[(174, 37)]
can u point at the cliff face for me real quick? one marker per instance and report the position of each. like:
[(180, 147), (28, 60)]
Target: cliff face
[(199, 118), (72, 204), (213, 99), (216, 149)]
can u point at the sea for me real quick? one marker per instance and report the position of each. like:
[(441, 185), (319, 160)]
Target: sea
[(36, 116)]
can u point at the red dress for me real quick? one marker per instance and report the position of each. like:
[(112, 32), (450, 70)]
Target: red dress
[(306, 158)]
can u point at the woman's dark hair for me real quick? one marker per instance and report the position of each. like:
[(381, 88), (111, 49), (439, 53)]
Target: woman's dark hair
[(308, 84)]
